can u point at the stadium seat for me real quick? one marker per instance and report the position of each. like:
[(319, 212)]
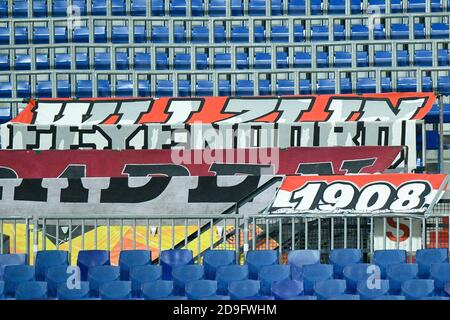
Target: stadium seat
[(201, 289), (215, 297), (285, 87), (285, 289), (204, 88), (435, 298), (398, 273), (41, 35), (182, 274), (315, 272), (256, 259), (15, 275), (157, 289), (213, 259), (345, 297), (49, 258), (299, 258), (340, 258), (172, 258), (302, 298), (390, 297), (131, 258), (439, 31), (384, 258), (355, 273), (426, 257), (142, 274), (269, 274), (373, 290), (57, 275), (20, 9), (227, 274), (99, 275), (239, 290), (31, 290), (440, 273), (417, 288), (326, 289), (115, 290), (11, 260), (91, 258), (2, 290)]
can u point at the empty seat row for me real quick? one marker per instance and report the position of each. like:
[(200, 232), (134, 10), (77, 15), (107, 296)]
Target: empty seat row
[(120, 34), (165, 88), (198, 8), (261, 60)]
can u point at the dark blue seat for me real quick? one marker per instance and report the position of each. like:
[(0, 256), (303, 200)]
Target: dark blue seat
[(4, 35), (227, 274), (99, 7), (302, 298), (140, 34), (263, 60), (239, 290), (21, 35), (23, 62), (3, 9), (42, 62), (319, 33), (269, 274), (296, 7), (4, 62), (142, 274), (222, 61), (99, 275), (390, 297), (49, 258), (144, 88), (164, 88), (244, 88), (399, 31), (182, 274), (11, 260), (138, 8), (279, 34), (285, 87), (184, 88), (396, 5), (23, 89), (162, 61), (201, 289), (56, 276), (59, 8), (285, 289), (31, 290), (423, 58), (416, 6), (355, 273), (91, 258), (142, 61), (417, 288), (440, 273), (383, 59), (213, 259), (41, 35), (302, 60), (435, 298), (215, 297), (20, 9), (124, 88), (204, 88), (104, 88), (102, 61), (80, 35), (200, 34), (115, 290), (122, 62), (371, 291), (344, 297), (398, 273), (61, 35), (15, 275), (340, 258), (157, 289), (384, 258), (118, 7), (239, 34), (315, 272), (444, 85), (84, 89), (359, 32), (326, 289), (5, 89), (63, 89), (131, 258), (100, 35), (82, 61), (119, 34), (224, 88), (328, 86), (282, 60), (299, 33), (439, 31), (426, 257), (217, 8), (157, 8), (297, 259)]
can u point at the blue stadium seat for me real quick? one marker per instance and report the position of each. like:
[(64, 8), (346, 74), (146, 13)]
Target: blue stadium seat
[(124, 88), (355, 273), (302, 298), (21, 35), (20, 9), (279, 34), (49, 258), (15, 275), (440, 273), (222, 61), (416, 5), (319, 33), (390, 297), (142, 274), (91, 258), (340, 258), (119, 34), (285, 289), (31, 290), (224, 88), (417, 288), (244, 88), (140, 34), (42, 62), (40, 8), (435, 298), (384, 258), (162, 61), (41, 35), (59, 8), (399, 31), (297, 259), (11, 260), (263, 60), (131, 258), (373, 290), (118, 7), (359, 32), (56, 276), (215, 297), (63, 89), (282, 60), (99, 7), (200, 34), (157, 289), (239, 34), (426, 257), (213, 259), (285, 87), (23, 62), (256, 259), (4, 62), (296, 7), (439, 31), (60, 35), (3, 9), (144, 88), (368, 85), (23, 89), (269, 274), (164, 88), (100, 35), (227, 274), (345, 297), (122, 62), (102, 61), (157, 8), (99, 275), (80, 35), (444, 85), (204, 88), (182, 274), (62, 61), (103, 89), (142, 61), (201, 289), (138, 8), (326, 289), (398, 273), (84, 89), (115, 290), (315, 272), (239, 290), (5, 89), (328, 86)]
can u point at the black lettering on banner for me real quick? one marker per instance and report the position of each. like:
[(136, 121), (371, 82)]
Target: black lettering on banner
[(143, 128), (375, 196), (360, 137), (322, 168), (356, 166), (39, 132), (74, 171), (338, 195), (208, 190), (120, 192), (411, 195), (31, 190), (7, 173), (296, 136), (82, 131), (144, 170), (229, 169), (75, 192)]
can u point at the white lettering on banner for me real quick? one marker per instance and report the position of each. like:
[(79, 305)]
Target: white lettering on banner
[(181, 110)]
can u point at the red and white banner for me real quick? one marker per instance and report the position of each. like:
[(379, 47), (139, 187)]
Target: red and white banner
[(30, 164), (227, 110), (379, 193)]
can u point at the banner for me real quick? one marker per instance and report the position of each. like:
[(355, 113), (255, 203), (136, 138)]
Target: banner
[(207, 162), (207, 136), (381, 193), (226, 110), (138, 196)]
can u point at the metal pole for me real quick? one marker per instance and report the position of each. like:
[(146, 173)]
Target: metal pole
[(441, 135)]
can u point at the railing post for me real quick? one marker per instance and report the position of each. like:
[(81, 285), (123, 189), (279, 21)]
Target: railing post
[(35, 238), (245, 236), (441, 135)]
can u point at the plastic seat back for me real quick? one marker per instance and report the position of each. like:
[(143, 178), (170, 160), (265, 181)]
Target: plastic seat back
[(99, 275), (285, 289), (340, 258), (15, 275), (384, 258), (11, 260), (212, 259), (426, 257), (227, 274), (256, 259), (49, 258), (172, 258), (157, 289), (398, 273), (31, 290), (184, 274), (315, 272), (370, 290), (239, 290), (299, 258), (355, 273), (91, 258), (143, 274), (329, 288), (417, 288), (132, 258), (440, 273), (201, 289), (115, 290), (269, 274)]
